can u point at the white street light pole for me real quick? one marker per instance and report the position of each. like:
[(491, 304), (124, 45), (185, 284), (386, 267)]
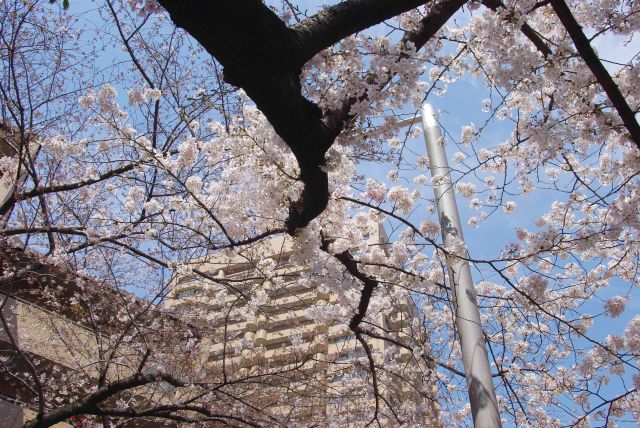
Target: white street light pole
[(482, 396)]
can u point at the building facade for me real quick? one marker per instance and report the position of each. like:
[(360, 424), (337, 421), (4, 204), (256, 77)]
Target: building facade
[(263, 309), (44, 326)]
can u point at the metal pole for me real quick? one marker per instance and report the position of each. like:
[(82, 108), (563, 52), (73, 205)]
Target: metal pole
[(482, 396)]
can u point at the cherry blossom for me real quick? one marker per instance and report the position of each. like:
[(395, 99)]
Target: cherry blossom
[(133, 169)]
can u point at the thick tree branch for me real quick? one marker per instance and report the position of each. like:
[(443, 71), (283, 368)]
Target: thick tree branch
[(166, 410), (89, 403), (37, 191), (262, 56), (432, 23), (599, 71), (374, 375), (370, 285), (526, 29), (334, 23), (245, 36)]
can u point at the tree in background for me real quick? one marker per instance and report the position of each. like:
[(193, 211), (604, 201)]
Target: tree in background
[(159, 154)]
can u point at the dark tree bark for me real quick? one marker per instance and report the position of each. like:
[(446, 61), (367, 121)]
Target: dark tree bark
[(263, 56), (90, 403), (583, 46)]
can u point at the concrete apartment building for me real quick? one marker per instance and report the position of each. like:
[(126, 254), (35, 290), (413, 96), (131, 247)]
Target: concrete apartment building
[(35, 328), (52, 336), (45, 322), (315, 357), (7, 148)]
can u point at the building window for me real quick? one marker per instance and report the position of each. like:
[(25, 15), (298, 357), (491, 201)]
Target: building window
[(191, 292), (342, 339)]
